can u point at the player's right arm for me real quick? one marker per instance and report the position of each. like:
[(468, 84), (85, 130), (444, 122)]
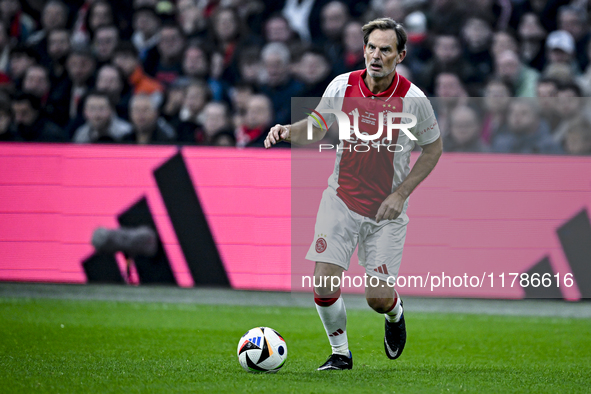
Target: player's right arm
[(296, 133)]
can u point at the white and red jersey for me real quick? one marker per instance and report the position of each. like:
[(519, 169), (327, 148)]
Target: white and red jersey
[(363, 179)]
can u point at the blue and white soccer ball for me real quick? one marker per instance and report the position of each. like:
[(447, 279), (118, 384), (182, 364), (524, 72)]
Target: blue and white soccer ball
[(262, 349)]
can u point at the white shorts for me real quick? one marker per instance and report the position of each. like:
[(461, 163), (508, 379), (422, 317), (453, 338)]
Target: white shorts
[(339, 230)]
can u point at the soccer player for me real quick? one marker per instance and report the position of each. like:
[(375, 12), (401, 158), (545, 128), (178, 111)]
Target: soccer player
[(367, 196)]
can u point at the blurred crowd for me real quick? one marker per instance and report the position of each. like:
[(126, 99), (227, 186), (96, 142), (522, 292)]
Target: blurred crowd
[(507, 76)]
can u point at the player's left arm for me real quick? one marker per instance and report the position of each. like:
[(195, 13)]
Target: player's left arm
[(392, 206)]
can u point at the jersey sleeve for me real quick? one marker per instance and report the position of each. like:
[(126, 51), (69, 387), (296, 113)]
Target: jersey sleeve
[(427, 129), (332, 99)]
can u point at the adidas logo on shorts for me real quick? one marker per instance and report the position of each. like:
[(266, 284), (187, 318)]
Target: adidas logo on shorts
[(382, 269)]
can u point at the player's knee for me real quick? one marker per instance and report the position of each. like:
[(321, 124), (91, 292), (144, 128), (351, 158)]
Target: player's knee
[(380, 305), (327, 278), (326, 284)]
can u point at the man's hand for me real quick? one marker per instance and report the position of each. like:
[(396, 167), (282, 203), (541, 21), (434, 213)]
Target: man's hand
[(391, 208), (277, 134)]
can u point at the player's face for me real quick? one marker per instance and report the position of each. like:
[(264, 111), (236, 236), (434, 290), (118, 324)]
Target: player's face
[(381, 55)]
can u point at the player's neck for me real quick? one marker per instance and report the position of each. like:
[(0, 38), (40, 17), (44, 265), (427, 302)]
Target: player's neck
[(379, 85)]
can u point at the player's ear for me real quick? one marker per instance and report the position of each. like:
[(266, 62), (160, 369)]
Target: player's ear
[(400, 57)]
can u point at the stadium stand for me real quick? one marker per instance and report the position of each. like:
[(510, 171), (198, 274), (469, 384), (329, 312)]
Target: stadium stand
[(185, 55)]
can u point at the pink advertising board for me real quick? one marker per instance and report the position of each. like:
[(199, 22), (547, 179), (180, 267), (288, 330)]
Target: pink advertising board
[(476, 215)]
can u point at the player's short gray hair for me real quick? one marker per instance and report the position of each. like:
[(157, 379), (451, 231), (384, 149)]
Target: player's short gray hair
[(386, 24), (276, 48)]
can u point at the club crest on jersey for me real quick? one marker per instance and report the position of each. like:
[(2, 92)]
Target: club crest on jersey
[(320, 245)]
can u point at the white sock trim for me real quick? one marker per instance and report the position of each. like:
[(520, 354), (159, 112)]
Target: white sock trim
[(342, 349), (396, 313)]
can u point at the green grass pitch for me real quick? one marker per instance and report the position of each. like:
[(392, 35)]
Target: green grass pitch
[(99, 346)]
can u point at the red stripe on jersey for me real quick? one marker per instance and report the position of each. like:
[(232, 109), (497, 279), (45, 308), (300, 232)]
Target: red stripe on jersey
[(365, 178)]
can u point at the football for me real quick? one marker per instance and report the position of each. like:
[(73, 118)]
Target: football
[(262, 349)]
